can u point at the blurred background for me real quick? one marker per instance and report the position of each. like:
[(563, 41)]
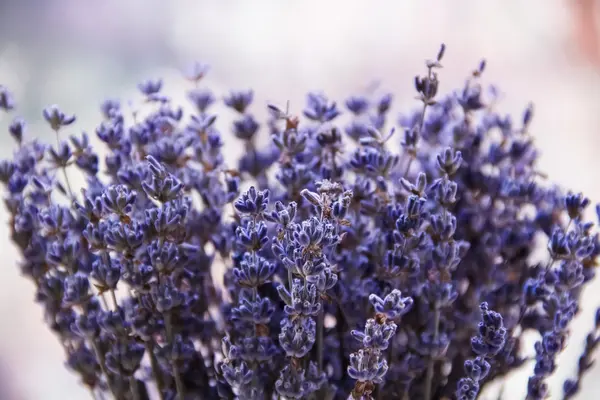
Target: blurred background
[(75, 53)]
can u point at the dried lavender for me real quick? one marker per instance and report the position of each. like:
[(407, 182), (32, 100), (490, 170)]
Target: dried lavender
[(571, 386), (489, 342), (350, 265)]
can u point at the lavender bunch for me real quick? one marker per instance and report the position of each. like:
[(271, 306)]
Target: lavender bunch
[(332, 263)]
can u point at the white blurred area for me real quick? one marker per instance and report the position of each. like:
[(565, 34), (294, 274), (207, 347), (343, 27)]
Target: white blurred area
[(76, 53)]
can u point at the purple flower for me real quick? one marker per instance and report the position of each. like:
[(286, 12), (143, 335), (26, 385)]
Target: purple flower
[(76, 289), (297, 336), (201, 99), (318, 108), (393, 305), (17, 129), (56, 118), (7, 102), (357, 105), (150, 87), (196, 71), (239, 101)]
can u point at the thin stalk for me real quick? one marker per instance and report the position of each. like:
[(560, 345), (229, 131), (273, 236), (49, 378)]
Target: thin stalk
[(133, 386), (320, 323), (421, 123), (64, 169), (114, 299), (104, 303), (390, 358), (255, 288), (550, 263), (410, 160), (92, 393), (340, 328), (286, 241), (100, 358), (445, 214), (155, 369), (501, 393), (431, 362), (254, 297), (378, 392), (422, 120), (391, 351), (176, 374)]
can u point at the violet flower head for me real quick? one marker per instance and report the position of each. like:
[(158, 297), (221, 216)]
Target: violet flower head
[(7, 102), (252, 202), (393, 305), (56, 118), (239, 101), (492, 334), (196, 71), (150, 87), (357, 104), (318, 108), (17, 129), (110, 108), (201, 99)]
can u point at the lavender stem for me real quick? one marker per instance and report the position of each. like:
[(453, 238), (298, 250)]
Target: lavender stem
[(100, 358), (431, 362), (178, 381)]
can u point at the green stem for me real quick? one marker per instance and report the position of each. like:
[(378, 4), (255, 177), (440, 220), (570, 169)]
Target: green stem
[(255, 288), (390, 360), (134, 388), (422, 120), (155, 369), (290, 274), (421, 123), (178, 381), (431, 362), (104, 303), (340, 326), (100, 357), (114, 299), (378, 392), (64, 170), (254, 297), (320, 323), (410, 160)]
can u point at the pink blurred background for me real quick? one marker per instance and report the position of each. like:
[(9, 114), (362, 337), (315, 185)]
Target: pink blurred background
[(75, 53)]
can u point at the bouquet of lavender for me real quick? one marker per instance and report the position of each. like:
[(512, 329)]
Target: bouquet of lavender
[(346, 269)]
